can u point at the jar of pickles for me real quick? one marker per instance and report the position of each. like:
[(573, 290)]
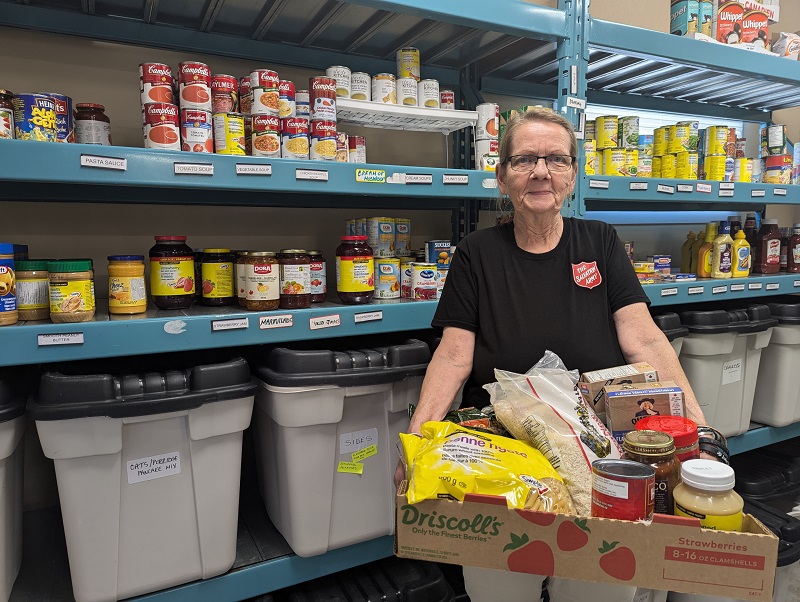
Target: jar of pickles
[(262, 281), (295, 270), (656, 449)]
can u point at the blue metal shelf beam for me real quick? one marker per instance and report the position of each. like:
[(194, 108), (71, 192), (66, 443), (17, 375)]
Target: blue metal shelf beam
[(761, 436), (730, 289)]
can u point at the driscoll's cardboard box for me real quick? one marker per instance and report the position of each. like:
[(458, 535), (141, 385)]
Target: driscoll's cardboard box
[(628, 404), (591, 383), (672, 553)]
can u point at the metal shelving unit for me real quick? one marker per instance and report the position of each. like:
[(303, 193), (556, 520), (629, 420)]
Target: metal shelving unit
[(755, 286)]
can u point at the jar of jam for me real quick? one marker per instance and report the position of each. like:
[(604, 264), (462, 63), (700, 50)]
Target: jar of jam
[(241, 278), (172, 275), (295, 280), (126, 292), (71, 286), (217, 277), (198, 273), (92, 125), (682, 430), (656, 449), (6, 114), (262, 281), (319, 278), (355, 270)]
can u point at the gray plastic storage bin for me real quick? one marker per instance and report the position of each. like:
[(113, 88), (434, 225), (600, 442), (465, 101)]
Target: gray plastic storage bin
[(12, 429), (670, 325), (316, 408), (148, 466)]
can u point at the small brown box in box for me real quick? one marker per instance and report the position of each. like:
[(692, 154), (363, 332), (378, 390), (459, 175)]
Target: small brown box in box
[(591, 383), (628, 404)]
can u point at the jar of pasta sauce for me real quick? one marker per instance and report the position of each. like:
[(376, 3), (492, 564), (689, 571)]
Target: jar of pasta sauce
[(172, 275), (92, 125), (217, 277), (355, 270), (656, 449), (295, 278), (126, 291), (319, 280)]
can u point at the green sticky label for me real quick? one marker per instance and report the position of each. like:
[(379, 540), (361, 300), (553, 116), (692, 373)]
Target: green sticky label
[(365, 453), (351, 467)]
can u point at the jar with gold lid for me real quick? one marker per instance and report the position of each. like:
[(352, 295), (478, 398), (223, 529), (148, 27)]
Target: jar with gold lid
[(656, 449)]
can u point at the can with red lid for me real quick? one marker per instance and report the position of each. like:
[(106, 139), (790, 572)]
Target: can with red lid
[(322, 98), (224, 94), (286, 99), (682, 430), (264, 88), (266, 136), (357, 149), (161, 126), (194, 81), (623, 489), (245, 95), (155, 83), (323, 141), (294, 138), (196, 131)]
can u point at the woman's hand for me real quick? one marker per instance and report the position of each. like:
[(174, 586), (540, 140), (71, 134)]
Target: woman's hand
[(399, 474)]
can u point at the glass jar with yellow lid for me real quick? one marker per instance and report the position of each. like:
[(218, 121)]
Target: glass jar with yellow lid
[(126, 289), (71, 286)]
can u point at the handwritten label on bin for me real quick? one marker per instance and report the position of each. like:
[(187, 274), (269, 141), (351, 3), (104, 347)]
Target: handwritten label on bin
[(350, 443), (706, 188), (350, 467), (330, 321), (153, 467), (665, 189), (67, 338), (365, 453)]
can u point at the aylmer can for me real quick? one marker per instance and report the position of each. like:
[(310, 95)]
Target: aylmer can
[(623, 490), (224, 94), (155, 83), (387, 278), (323, 141), (266, 136), (34, 117), (65, 120), (322, 98), (196, 131), (161, 125), (194, 81), (229, 137)]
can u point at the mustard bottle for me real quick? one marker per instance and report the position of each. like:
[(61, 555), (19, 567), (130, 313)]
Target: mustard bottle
[(722, 252), (741, 256), (706, 249), (701, 237), (686, 253), (706, 492)]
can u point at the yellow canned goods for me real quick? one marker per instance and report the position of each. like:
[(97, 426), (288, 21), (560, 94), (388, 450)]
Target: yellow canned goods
[(714, 167), (686, 166), (590, 132), (606, 130), (669, 166), (589, 146), (592, 166), (679, 139), (614, 162), (229, 134), (645, 167), (656, 166), (631, 162), (660, 141), (743, 170), (673, 144), (408, 63), (716, 140), (689, 132)]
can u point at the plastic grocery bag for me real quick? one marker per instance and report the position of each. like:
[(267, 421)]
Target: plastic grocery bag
[(449, 460), (544, 408)]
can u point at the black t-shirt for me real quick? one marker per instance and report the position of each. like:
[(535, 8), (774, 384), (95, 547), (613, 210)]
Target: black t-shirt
[(520, 304)]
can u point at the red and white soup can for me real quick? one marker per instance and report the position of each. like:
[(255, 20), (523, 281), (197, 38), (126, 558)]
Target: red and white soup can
[(155, 83), (245, 95), (266, 136), (196, 131), (194, 81), (161, 123), (322, 98)]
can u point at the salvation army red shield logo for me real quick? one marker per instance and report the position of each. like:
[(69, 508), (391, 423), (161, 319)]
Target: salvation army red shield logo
[(586, 274)]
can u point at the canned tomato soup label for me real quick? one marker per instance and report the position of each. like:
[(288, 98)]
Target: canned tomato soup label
[(196, 131), (408, 63), (407, 91), (194, 80), (387, 280), (229, 134), (380, 236), (447, 99), (384, 89), (161, 126), (224, 94), (402, 237), (428, 93), (323, 140), (245, 95), (266, 136), (488, 121), (294, 138), (287, 106), (623, 489), (34, 117), (155, 83), (343, 79), (423, 281), (322, 98), (360, 86)]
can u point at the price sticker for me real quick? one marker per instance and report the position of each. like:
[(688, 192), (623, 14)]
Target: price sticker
[(67, 338), (755, 286), (719, 289), (696, 290), (331, 321), (685, 188), (598, 184), (638, 186), (665, 189), (737, 287), (234, 324), (453, 178), (773, 286)]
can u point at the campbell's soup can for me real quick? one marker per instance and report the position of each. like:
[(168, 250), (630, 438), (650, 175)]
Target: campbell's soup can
[(229, 137), (266, 136), (248, 133), (606, 132), (194, 83), (322, 98), (484, 148), (743, 170), (407, 91), (34, 117), (357, 149), (623, 490), (264, 85), (342, 147), (384, 89), (405, 277), (224, 94), (323, 141), (155, 83), (380, 236), (287, 104), (264, 78), (245, 95), (423, 282), (447, 99), (161, 126), (408, 63), (65, 119), (488, 121), (196, 131), (428, 93), (387, 278), (402, 237), (343, 76), (686, 165), (294, 138), (302, 104), (360, 86), (669, 166)]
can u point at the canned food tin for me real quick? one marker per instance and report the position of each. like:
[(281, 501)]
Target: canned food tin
[(264, 78), (405, 277), (155, 83), (623, 489), (741, 144), (743, 170), (407, 91), (408, 63), (669, 166), (229, 136), (194, 83), (196, 131), (614, 162), (245, 95), (380, 236), (287, 106), (628, 132), (484, 148), (628, 245), (343, 77), (645, 145), (387, 278), (589, 146), (607, 131), (6, 114), (383, 89), (423, 282), (302, 104), (266, 101), (631, 163), (294, 138), (593, 166), (778, 169), (656, 166), (686, 165), (224, 94), (428, 93), (342, 148), (441, 278), (357, 150), (660, 141), (322, 98), (773, 140), (161, 121), (590, 130), (447, 100), (716, 140), (350, 227), (34, 117), (645, 167), (488, 121), (266, 136), (323, 140), (361, 226), (360, 86), (686, 133), (714, 167), (65, 120), (402, 237)]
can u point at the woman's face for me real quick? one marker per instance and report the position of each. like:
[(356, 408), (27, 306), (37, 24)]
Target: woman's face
[(539, 191)]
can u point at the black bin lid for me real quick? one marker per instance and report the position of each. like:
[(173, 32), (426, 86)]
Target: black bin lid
[(670, 324), (765, 476), (785, 313), (755, 318), (785, 527)]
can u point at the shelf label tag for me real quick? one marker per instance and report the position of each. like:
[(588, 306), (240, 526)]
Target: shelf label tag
[(330, 321), (279, 321), (665, 189), (668, 292), (773, 286), (779, 192), (758, 193), (755, 286), (696, 290), (726, 185), (371, 176), (194, 169), (638, 186), (455, 178), (719, 289), (67, 338), (598, 183), (104, 162), (737, 287), (723, 193), (576, 103), (419, 178), (489, 183), (253, 169), (351, 467), (365, 453), (153, 467), (706, 188), (369, 316), (685, 188), (311, 174), (573, 79), (797, 284), (234, 324)]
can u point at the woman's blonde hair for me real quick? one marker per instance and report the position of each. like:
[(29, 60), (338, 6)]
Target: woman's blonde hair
[(536, 115)]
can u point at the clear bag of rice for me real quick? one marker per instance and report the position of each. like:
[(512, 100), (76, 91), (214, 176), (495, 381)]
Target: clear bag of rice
[(544, 408)]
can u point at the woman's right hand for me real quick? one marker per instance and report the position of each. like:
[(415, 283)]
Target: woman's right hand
[(399, 474)]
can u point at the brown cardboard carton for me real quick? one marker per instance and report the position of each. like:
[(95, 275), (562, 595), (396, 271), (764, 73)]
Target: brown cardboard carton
[(671, 553), (627, 404), (591, 383)]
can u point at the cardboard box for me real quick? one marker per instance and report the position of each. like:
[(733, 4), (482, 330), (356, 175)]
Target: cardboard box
[(672, 553), (628, 404), (684, 17), (742, 21), (661, 263), (591, 383)]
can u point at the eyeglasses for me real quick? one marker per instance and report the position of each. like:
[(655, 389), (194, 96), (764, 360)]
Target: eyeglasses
[(527, 163)]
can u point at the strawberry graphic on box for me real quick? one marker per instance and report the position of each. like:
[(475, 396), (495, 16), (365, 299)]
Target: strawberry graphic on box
[(534, 557), (618, 562)]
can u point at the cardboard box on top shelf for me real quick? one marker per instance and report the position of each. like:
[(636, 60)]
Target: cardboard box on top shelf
[(627, 12), (738, 21), (591, 383), (671, 553)]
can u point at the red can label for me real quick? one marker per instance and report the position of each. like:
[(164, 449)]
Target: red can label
[(294, 125), (224, 94), (195, 86), (196, 131), (266, 136), (245, 95), (155, 83), (193, 73), (161, 126), (294, 138), (621, 496), (264, 78), (286, 99), (447, 99), (323, 140), (322, 98)]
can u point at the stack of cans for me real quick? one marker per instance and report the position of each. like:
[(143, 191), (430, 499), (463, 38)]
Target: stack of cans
[(160, 113), (486, 130)]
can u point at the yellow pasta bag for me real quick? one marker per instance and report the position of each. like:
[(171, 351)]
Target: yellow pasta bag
[(449, 461)]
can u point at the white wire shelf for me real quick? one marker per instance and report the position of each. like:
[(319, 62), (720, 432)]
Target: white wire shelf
[(400, 117)]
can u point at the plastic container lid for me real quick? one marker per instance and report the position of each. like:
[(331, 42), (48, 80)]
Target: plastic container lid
[(12, 393), (784, 526), (670, 325), (785, 313), (682, 430), (69, 265), (126, 257), (708, 475), (756, 318), (168, 238), (31, 265), (770, 220), (90, 105), (724, 227), (216, 251), (6, 248), (648, 443), (288, 251)]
